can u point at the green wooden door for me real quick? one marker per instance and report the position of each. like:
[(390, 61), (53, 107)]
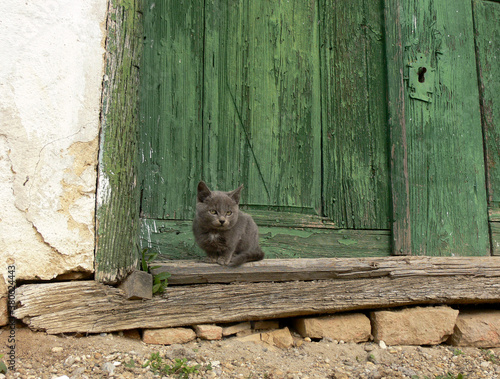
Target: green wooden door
[(262, 93), (290, 99)]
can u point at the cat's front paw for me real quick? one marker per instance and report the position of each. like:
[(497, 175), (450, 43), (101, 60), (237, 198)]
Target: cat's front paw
[(223, 261)]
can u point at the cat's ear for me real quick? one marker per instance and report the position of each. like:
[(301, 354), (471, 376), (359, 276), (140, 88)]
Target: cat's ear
[(203, 191), (235, 195)]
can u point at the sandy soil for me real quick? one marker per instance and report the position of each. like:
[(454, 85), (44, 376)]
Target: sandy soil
[(120, 355)]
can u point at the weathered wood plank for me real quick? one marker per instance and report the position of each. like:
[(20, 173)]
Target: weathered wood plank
[(174, 240), (443, 123), (494, 214), (289, 219), (278, 270), (91, 307), (261, 117), (171, 107), (487, 38), (356, 190), (400, 187), (117, 220), (495, 237)]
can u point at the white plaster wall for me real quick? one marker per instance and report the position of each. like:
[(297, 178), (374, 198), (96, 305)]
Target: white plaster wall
[(51, 72)]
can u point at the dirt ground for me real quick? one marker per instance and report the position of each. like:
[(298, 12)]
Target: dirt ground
[(124, 355)]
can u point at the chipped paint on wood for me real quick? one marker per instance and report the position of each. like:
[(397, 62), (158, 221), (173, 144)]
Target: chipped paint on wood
[(236, 93), (487, 39), (446, 193), (174, 240)]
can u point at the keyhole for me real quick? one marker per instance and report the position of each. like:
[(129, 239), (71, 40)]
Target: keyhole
[(421, 71)]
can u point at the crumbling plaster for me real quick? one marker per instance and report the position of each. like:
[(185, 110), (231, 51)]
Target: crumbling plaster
[(50, 93)]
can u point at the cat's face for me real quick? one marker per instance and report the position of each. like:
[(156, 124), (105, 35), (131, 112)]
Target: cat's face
[(217, 210)]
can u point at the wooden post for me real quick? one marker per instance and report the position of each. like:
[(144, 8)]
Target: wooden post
[(117, 215)]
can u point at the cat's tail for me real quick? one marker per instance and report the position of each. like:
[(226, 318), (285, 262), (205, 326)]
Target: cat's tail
[(248, 256)]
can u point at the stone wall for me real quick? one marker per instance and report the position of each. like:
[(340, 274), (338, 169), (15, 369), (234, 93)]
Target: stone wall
[(50, 86)]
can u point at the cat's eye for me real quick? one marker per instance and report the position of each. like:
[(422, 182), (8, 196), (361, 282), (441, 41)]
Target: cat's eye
[(229, 213), (213, 211)]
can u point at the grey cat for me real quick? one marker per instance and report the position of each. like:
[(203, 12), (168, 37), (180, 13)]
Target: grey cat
[(228, 236)]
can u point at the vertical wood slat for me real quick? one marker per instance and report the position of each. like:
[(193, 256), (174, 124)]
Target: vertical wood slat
[(262, 123), (447, 201), (171, 107), (487, 41), (117, 214), (356, 188), (401, 225)]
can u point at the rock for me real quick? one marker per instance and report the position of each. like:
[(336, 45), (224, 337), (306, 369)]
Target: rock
[(77, 372), (244, 333), (233, 329), (208, 332), (168, 336), (279, 338), (266, 325), (477, 329), (138, 285), (69, 361), (414, 326), (179, 351), (351, 327), (108, 368), (4, 309)]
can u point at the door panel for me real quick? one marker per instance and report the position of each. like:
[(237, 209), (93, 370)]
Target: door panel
[(286, 97), (262, 124), (171, 112), (487, 28), (487, 32), (441, 131), (356, 189)]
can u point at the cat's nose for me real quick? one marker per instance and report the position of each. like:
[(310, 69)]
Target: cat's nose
[(222, 222)]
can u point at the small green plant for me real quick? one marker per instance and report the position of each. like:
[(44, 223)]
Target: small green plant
[(3, 366), (160, 281), (490, 356), (130, 364), (457, 352), (371, 358), (179, 368)]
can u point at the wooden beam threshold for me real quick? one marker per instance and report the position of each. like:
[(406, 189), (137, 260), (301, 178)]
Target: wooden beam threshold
[(355, 284), (282, 270)]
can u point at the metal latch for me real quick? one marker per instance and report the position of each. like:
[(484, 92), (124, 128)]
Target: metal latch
[(421, 79)]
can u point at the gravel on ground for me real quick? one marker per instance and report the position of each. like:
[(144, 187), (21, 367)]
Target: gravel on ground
[(119, 355)]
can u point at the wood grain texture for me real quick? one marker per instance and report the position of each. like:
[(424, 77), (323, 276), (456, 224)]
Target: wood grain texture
[(262, 121), (400, 185), (444, 139), (495, 238), (494, 221), (487, 39), (117, 214), (171, 107), (174, 240), (280, 270), (356, 191), (91, 307)]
